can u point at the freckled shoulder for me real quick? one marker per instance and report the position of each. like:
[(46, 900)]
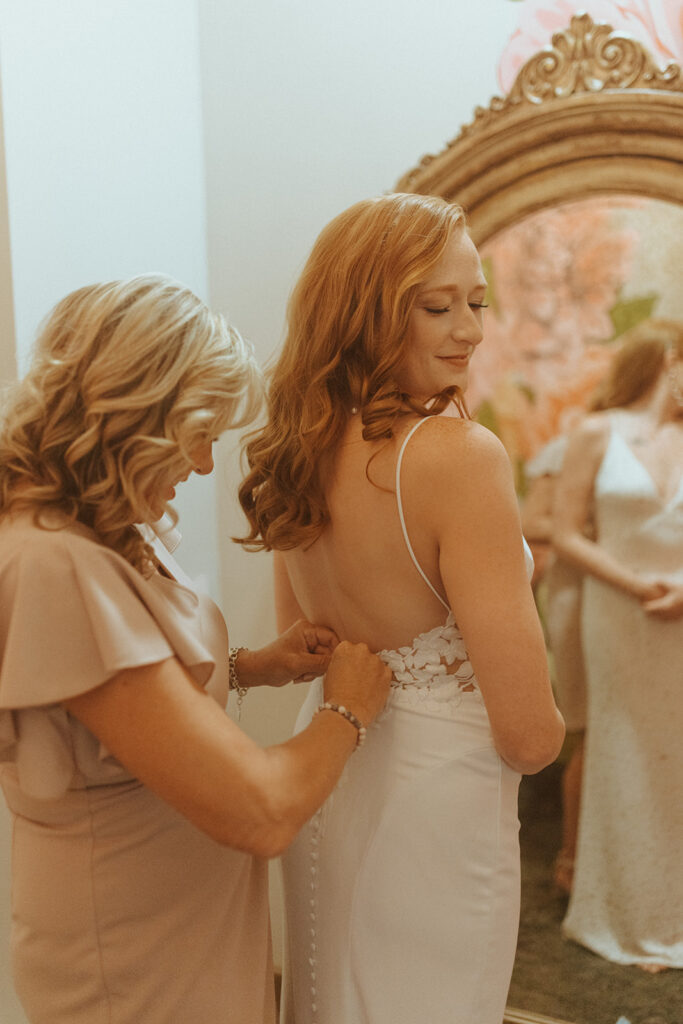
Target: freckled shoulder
[(446, 443)]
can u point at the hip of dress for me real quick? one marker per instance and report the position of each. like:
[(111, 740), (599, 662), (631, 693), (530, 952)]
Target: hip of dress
[(403, 890)]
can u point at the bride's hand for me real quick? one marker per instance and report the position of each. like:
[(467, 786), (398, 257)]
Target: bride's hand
[(669, 603), (300, 654)]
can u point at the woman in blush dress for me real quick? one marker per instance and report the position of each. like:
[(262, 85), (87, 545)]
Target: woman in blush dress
[(401, 528), (624, 471), (142, 815)]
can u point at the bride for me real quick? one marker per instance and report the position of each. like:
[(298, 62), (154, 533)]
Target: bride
[(398, 527)]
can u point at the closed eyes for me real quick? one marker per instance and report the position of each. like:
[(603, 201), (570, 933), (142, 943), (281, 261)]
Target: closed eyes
[(437, 310)]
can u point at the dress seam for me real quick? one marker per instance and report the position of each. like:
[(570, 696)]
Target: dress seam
[(98, 945)]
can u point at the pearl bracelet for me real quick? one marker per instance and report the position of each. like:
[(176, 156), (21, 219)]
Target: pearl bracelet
[(349, 716)]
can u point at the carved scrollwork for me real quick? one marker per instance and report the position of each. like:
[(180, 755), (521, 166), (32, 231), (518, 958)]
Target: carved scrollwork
[(587, 57)]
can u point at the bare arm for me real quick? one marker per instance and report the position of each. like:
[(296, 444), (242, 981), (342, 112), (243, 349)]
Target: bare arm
[(537, 509), (176, 740), (481, 559), (573, 506), (537, 522)]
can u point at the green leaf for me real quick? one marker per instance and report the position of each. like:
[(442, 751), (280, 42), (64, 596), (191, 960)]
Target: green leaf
[(626, 313), (486, 415), (521, 482), (527, 390), (491, 298)]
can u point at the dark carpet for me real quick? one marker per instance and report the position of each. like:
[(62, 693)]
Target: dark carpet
[(554, 976)]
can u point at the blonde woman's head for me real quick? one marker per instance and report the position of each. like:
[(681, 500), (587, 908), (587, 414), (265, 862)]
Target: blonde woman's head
[(129, 383)]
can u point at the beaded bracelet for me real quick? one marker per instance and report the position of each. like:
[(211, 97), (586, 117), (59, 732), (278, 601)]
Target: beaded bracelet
[(349, 716), (233, 679)]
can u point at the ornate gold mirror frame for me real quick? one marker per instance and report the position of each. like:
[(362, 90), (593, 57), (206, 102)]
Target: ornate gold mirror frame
[(591, 114)]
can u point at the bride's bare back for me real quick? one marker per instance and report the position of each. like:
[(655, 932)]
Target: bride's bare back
[(358, 576), (463, 523)]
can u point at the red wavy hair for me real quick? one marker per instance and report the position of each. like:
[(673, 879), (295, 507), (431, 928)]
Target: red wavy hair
[(347, 325)]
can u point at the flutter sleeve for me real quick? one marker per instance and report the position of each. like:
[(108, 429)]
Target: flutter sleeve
[(548, 461), (73, 614)]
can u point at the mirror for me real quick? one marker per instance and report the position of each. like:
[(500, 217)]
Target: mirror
[(574, 195)]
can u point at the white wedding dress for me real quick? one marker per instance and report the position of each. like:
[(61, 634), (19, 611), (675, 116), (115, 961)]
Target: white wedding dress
[(402, 892), (627, 901)]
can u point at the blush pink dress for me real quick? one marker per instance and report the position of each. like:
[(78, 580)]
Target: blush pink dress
[(122, 911)]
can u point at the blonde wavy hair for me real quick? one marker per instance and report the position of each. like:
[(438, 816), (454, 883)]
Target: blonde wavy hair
[(346, 335), (127, 379), (638, 362)]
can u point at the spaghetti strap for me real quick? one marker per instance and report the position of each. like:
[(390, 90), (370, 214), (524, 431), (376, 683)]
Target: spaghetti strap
[(402, 517)]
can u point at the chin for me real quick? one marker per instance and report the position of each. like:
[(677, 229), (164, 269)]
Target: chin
[(460, 380)]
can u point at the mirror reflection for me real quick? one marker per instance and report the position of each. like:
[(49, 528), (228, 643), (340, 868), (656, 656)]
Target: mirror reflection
[(586, 315)]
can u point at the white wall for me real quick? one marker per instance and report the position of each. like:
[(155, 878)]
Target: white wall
[(308, 107), (8, 360), (105, 178), (105, 170)]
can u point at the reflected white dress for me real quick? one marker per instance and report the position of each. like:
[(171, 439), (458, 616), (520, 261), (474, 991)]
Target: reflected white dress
[(627, 901), (402, 892)]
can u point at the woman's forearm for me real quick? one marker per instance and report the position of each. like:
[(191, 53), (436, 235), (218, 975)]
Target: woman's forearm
[(300, 775), (302, 652), (591, 558), (173, 736)]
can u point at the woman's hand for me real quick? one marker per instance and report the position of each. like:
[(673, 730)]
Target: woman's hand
[(300, 654), (357, 680), (668, 604)]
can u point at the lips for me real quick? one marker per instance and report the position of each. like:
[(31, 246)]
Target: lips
[(459, 360)]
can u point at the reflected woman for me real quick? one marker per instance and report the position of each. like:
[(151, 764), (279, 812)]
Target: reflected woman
[(400, 527), (623, 470)]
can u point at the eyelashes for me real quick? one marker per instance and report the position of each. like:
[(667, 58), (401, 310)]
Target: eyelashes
[(436, 311)]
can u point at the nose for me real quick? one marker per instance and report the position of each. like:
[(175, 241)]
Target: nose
[(477, 332), (203, 460), (469, 327)]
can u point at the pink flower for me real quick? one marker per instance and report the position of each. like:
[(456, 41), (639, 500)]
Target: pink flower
[(555, 277), (658, 24)]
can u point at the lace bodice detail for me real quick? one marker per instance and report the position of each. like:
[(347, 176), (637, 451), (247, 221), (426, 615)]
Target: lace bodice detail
[(423, 674)]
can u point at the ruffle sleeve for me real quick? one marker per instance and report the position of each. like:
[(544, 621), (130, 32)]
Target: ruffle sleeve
[(548, 461), (72, 614)]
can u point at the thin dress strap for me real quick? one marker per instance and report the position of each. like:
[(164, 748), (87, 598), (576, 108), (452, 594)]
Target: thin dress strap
[(402, 517)]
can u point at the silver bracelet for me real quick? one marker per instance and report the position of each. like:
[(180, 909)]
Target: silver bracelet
[(233, 679), (348, 715)]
